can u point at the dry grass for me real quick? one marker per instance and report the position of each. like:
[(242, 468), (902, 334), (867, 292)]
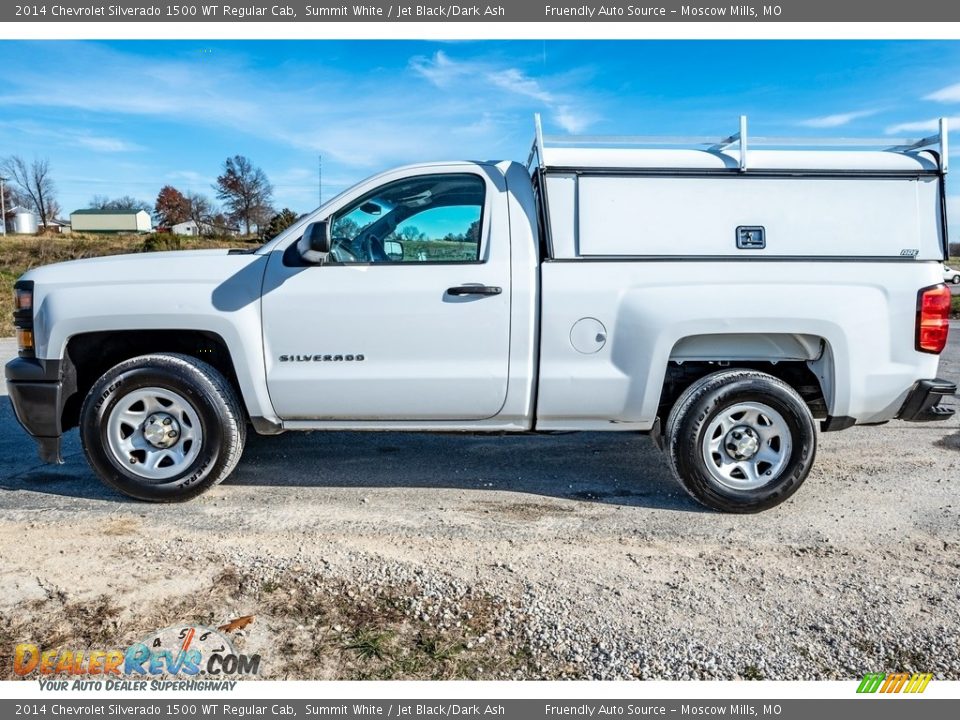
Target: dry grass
[(306, 627), (19, 253)]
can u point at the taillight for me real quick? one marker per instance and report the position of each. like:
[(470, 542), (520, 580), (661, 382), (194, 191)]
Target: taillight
[(933, 313)]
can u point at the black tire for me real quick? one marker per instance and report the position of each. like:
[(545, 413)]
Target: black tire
[(210, 398), (956, 280), (685, 440)]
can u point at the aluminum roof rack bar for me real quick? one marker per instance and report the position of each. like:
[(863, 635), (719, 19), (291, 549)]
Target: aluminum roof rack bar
[(740, 138), (937, 142), (940, 141), (537, 149)]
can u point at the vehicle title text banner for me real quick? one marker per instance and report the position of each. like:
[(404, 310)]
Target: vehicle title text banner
[(538, 11)]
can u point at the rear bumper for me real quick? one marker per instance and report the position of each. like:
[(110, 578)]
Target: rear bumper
[(922, 404), (36, 391)]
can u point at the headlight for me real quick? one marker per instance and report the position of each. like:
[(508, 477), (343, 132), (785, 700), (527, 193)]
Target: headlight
[(23, 316), (23, 298)]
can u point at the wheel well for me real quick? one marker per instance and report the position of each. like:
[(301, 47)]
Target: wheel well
[(796, 373), (90, 355)]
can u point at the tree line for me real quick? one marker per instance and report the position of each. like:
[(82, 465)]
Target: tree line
[(243, 189)]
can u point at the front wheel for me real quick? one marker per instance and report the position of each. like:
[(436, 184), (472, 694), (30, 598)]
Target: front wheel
[(740, 441), (956, 280), (162, 428)]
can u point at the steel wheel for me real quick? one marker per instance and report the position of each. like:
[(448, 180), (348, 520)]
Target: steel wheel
[(740, 440), (154, 433), (747, 445)]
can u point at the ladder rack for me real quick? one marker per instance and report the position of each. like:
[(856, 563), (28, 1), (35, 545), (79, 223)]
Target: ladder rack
[(937, 142)]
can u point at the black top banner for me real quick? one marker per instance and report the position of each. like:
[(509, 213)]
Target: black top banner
[(513, 11)]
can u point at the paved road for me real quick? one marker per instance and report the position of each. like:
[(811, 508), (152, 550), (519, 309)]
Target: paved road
[(612, 570)]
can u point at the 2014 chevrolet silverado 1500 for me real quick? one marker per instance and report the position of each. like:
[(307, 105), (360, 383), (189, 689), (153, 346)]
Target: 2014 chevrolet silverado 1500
[(718, 296)]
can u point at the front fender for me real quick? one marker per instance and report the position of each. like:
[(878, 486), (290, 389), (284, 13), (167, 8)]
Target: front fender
[(219, 294)]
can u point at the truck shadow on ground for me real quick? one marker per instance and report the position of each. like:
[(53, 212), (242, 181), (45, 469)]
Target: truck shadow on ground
[(612, 468)]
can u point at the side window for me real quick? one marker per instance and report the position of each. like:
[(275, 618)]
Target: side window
[(430, 218)]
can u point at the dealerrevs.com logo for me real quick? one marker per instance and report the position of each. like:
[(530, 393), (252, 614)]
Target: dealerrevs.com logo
[(888, 683), (183, 657)]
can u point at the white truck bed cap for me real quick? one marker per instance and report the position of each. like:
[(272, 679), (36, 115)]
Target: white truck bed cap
[(738, 152)]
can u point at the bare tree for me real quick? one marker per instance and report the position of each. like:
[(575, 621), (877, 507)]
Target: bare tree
[(120, 204), (10, 201), (201, 210), (245, 191), (33, 183), (53, 209)]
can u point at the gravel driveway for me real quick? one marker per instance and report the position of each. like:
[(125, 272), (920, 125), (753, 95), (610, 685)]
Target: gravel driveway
[(397, 555)]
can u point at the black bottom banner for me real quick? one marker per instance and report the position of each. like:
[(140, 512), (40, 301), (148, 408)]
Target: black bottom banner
[(874, 708)]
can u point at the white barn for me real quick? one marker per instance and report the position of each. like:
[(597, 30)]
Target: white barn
[(193, 229), (188, 227), (92, 220)]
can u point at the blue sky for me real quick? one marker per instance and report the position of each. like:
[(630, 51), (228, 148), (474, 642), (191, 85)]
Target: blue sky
[(125, 118)]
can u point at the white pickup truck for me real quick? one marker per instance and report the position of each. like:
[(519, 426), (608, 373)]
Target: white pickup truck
[(716, 295)]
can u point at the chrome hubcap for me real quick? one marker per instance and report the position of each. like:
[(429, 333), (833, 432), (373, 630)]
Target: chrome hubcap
[(161, 430), (154, 433), (742, 443), (747, 446)]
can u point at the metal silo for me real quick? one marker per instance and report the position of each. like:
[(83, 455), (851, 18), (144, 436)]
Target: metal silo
[(25, 223)]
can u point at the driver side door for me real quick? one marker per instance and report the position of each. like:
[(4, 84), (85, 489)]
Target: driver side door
[(383, 329)]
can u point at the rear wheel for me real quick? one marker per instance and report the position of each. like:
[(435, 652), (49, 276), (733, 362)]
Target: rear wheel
[(162, 428), (740, 441)]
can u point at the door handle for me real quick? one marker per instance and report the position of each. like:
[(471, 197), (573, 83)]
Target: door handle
[(474, 290)]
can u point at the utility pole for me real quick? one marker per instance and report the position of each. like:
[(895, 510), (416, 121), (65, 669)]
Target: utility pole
[(320, 179), (3, 206)]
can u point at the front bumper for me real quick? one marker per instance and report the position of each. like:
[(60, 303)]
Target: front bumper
[(38, 390), (922, 404)]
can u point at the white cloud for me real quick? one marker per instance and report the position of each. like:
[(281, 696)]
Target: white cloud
[(363, 121), (106, 144), (488, 82), (438, 107), (930, 125), (67, 136), (513, 80), (439, 69), (837, 120), (949, 94), (573, 121), (191, 180)]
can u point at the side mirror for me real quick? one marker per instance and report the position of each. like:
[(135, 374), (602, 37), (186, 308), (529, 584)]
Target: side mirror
[(315, 244), (394, 250)]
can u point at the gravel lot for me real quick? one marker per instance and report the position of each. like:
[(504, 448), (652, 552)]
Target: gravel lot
[(395, 555)]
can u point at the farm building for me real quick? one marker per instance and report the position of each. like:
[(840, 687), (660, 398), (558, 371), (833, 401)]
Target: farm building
[(190, 227), (92, 220), (21, 221)]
